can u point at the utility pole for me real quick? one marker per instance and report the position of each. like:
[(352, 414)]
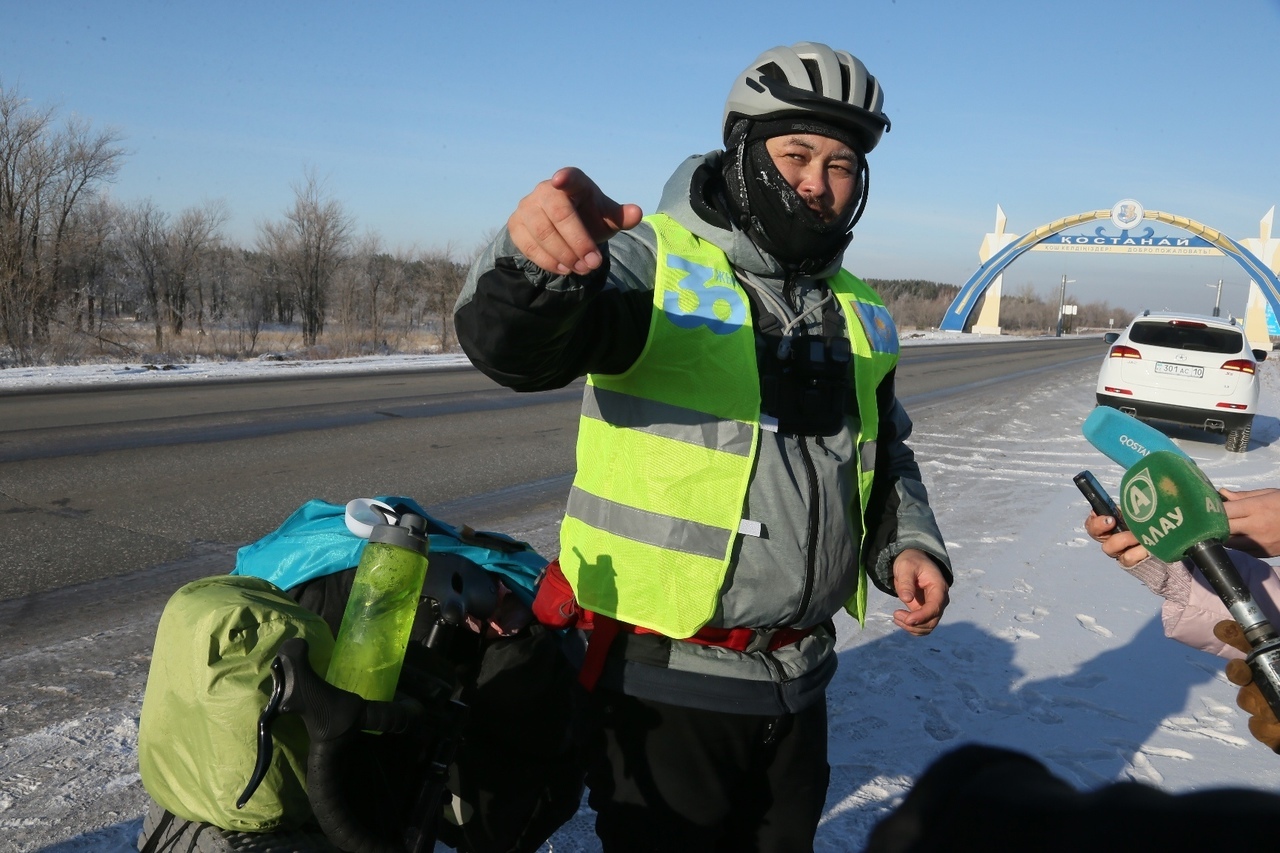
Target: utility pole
[(1217, 302), (1062, 302)]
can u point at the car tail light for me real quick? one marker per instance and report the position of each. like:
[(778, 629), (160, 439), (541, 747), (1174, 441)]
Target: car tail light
[(1122, 351), (1243, 365), (1232, 406), (1190, 324), (1111, 390)]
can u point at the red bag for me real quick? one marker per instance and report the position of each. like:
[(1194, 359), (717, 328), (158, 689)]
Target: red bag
[(555, 606)]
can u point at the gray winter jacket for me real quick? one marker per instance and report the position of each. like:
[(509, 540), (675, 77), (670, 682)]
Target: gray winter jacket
[(532, 330)]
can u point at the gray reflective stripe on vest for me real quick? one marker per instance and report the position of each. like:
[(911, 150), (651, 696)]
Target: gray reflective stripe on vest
[(663, 531), (867, 453), (667, 421)]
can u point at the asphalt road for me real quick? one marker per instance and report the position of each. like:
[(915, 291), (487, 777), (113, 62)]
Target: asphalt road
[(117, 495), (111, 500)]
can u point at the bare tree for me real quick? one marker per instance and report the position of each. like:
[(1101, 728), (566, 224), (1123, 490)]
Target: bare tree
[(144, 238), (379, 273), (443, 278), (25, 172), (308, 246), (195, 232), (46, 174), (359, 314), (245, 294), (83, 160), (87, 261)]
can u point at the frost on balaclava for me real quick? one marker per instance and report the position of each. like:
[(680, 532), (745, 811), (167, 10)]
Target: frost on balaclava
[(772, 213)]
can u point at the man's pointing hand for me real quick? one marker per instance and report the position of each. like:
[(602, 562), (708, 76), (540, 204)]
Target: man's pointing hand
[(560, 223)]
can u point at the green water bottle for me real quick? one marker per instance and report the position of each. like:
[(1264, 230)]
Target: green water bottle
[(369, 650)]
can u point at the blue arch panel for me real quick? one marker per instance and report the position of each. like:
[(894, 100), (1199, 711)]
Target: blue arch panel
[(958, 313)]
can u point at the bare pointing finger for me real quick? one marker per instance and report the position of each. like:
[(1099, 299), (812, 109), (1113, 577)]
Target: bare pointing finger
[(545, 227), (601, 215)]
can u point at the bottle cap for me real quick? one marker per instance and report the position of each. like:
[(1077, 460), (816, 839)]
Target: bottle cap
[(410, 533), (363, 514)]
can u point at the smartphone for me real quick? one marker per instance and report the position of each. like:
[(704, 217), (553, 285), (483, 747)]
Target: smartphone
[(1098, 498)]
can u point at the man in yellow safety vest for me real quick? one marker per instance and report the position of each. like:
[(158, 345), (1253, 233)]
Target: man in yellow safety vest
[(742, 468)]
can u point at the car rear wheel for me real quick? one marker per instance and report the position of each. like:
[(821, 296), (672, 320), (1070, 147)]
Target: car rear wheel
[(1238, 437)]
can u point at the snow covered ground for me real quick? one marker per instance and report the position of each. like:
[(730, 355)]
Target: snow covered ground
[(101, 375), (1047, 647)]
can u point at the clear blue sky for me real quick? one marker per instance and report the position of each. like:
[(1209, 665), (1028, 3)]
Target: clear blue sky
[(429, 120)]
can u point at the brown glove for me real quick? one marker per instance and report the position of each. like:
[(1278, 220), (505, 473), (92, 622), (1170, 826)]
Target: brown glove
[(1263, 724)]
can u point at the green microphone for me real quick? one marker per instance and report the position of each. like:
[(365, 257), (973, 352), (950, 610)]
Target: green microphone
[(1175, 512), (1171, 506)]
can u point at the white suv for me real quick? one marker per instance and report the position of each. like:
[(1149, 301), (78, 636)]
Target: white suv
[(1184, 368)]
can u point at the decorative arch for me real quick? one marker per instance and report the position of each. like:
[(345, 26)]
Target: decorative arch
[(966, 300)]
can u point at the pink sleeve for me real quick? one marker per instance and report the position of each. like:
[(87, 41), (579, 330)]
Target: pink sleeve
[(1192, 623)]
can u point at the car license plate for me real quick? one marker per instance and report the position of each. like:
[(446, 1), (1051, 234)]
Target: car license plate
[(1179, 370)]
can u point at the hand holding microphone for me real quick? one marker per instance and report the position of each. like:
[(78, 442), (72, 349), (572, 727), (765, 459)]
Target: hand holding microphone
[(1126, 441), (1263, 724), (1254, 515), (1176, 513)]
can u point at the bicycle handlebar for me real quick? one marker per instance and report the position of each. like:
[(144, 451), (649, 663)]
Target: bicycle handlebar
[(334, 718)]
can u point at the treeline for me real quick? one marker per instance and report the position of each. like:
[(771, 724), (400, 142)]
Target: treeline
[(917, 304), (79, 271), (81, 274)]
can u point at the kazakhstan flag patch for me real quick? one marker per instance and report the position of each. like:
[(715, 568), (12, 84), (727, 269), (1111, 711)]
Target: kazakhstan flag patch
[(879, 327)]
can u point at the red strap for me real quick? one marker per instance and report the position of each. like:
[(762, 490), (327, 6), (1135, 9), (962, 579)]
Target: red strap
[(555, 606), (737, 639), (598, 650)]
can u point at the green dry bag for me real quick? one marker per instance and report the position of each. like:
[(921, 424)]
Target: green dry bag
[(210, 678)]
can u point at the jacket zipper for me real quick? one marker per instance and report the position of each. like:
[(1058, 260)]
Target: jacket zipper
[(811, 550), (811, 472)]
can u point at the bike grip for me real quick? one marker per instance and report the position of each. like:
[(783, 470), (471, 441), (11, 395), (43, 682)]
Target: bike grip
[(396, 717), (307, 693)]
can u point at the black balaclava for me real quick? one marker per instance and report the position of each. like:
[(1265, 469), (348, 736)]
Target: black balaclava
[(773, 214)]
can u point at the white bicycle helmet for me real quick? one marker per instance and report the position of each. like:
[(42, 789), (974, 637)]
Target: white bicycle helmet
[(810, 80)]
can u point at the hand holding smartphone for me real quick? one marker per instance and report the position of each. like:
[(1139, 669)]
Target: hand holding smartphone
[(1098, 498)]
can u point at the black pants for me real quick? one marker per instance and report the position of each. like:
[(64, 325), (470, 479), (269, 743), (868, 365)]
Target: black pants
[(672, 779)]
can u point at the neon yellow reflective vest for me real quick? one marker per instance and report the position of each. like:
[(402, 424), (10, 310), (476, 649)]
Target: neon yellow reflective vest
[(666, 449)]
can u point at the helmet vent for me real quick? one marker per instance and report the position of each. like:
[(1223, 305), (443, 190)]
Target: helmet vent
[(809, 81), (815, 74), (773, 71), (869, 94)]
